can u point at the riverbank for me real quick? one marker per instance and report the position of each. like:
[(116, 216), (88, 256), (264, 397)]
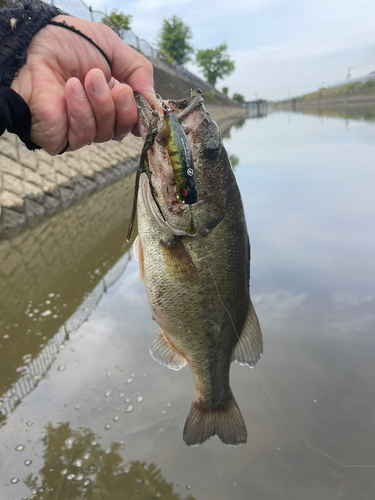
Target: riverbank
[(34, 184), (355, 93)]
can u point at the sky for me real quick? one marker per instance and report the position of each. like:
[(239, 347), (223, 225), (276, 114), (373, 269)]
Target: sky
[(281, 48)]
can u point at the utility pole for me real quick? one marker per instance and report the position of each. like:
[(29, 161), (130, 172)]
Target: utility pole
[(349, 73)]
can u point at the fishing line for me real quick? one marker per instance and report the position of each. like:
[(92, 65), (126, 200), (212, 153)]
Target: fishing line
[(299, 434), (151, 92), (348, 466), (222, 303)]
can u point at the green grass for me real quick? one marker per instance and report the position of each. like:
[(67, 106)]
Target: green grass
[(352, 89)]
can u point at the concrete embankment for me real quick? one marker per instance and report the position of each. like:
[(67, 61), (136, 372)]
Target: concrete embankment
[(34, 184)]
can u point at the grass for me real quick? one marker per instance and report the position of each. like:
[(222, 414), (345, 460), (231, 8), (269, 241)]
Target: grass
[(352, 89)]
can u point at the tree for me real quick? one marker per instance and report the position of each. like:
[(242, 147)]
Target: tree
[(225, 90), (174, 40), (215, 63), (118, 22), (234, 161), (239, 98)]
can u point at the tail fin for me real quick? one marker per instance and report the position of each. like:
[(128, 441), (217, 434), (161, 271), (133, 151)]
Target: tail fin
[(227, 424)]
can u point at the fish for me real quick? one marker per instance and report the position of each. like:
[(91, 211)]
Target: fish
[(194, 259)]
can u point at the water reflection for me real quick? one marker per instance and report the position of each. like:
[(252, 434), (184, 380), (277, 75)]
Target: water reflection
[(52, 277), (77, 467), (365, 112)]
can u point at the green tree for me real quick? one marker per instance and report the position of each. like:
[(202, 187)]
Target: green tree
[(225, 90), (174, 40), (99, 474), (239, 98), (118, 22), (215, 63), (234, 160)]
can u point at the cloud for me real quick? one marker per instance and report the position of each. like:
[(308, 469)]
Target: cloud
[(351, 299), (278, 305), (152, 5)]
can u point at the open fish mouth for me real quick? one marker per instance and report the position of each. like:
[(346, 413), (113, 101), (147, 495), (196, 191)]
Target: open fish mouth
[(168, 191)]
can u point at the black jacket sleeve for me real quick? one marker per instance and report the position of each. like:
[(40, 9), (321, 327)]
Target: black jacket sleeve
[(18, 25)]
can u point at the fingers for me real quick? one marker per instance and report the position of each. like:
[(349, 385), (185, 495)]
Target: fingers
[(99, 112), (82, 124), (103, 106), (126, 110), (131, 67)]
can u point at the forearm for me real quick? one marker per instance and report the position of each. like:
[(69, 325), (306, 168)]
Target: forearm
[(18, 25)]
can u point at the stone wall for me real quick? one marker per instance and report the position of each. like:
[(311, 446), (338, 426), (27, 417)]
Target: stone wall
[(33, 184)]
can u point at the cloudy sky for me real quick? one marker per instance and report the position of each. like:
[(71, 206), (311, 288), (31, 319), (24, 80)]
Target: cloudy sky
[(281, 47)]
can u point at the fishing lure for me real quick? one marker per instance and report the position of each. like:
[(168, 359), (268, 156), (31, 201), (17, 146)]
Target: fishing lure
[(181, 157)]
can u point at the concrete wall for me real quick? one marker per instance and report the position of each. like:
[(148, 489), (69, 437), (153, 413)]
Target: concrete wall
[(34, 184)]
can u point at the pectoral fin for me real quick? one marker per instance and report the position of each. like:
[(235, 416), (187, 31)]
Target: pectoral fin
[(178, 260), (138, 255), (163, 352), (249, 347)]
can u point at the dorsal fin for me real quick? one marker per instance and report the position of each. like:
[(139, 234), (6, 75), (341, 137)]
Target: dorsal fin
[(163, 352), (249, 347)]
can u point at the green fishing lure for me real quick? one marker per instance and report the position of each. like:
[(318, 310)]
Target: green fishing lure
[(182, 160)]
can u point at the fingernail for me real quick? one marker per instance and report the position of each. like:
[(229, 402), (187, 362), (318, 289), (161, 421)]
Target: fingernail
[(125, 100), (123, 136), (99, 85), (78, 90)]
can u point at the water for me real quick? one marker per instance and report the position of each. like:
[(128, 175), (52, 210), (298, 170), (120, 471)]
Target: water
[(93, 416)]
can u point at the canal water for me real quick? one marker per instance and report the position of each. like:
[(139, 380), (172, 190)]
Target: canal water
[(86, 413)]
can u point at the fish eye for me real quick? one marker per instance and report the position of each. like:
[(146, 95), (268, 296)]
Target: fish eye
[(184, 192), (211, 150)]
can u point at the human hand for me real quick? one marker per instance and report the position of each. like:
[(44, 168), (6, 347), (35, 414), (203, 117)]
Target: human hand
[(70, 91)]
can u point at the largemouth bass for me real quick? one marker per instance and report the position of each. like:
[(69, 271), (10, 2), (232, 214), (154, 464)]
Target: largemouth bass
[(195, 262)]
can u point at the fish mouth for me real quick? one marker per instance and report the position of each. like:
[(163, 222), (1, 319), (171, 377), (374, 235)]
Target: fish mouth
[(154, 210), (158, 188)]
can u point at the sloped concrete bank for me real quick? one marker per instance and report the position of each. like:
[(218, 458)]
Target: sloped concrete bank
[(34, 184)]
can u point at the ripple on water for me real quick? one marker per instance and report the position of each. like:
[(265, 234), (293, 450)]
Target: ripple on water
[(69, 442)]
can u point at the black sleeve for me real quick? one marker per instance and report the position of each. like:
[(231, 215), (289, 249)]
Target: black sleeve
[(18, 25)]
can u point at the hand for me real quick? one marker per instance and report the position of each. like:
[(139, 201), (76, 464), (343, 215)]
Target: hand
[(71, 93)]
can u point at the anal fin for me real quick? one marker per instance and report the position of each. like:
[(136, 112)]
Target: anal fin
[(163, 352), (249, 347)]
